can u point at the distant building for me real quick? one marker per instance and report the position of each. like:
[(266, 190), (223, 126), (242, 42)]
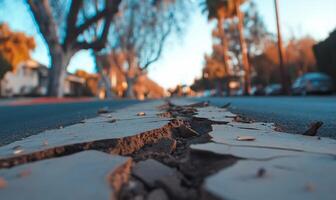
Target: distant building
[(31, 79), (74, 85)]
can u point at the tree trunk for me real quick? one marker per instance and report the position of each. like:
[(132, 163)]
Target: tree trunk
[(219, 87), (224, 44), (225, 51), (105, 77), (130, 86), (246, 65), (107, 84), (57, 73)]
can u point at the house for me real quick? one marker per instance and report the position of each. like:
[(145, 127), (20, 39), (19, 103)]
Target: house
[(74, 85), (31, 79)]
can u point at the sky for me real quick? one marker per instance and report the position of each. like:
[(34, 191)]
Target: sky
[(182, 58)]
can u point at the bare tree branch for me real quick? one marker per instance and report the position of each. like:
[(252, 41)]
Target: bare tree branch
[(43, 16), (110, 9), (71, 21), (160, 48)]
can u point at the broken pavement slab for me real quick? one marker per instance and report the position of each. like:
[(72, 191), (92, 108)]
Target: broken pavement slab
[(150, 171), (300, 177), (245, 152), (167, 166), (83, 175), (271, 164), (127, 124), (270, 139)]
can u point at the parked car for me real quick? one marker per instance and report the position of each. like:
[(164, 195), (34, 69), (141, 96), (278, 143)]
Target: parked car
[(258, 90), (313, 83), (273, 89)]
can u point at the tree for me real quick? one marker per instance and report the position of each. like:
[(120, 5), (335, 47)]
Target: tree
[(139, 33), (216, 65), (325, 53), (225, 9), (5, 66), (15, 47), (243, 46), (256, 36), (266, 64), (63, 32), (299, 59)]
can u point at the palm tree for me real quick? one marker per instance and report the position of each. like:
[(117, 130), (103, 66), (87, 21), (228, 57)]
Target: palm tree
[(243, 46), (225, 9)]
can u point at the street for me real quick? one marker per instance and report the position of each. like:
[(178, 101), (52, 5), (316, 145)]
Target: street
[(292, 114), (17, 122)]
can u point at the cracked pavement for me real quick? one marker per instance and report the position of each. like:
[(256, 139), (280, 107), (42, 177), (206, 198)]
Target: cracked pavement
[(168, 150)]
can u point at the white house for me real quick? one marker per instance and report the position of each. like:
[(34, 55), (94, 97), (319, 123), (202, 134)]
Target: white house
[(31, 79)]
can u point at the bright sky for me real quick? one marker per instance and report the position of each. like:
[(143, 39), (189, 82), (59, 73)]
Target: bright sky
[(182, 58)]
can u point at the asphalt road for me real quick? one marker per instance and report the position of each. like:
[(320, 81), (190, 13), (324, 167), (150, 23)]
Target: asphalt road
[(17, 122), (292, 114)]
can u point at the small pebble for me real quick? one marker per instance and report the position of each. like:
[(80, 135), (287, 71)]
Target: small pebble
[(141, 114), (245, 138), (45, 143), (112, 120), (17, 150)]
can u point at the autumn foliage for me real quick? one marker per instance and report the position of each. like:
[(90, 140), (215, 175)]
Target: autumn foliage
[(15, 47), (298, 57)]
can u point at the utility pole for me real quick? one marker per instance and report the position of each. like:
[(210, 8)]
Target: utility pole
[(284, 78)]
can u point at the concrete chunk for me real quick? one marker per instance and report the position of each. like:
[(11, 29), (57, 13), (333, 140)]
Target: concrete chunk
[(78, 176), (150, 171), (299, 177), (99, 128), (273, 140)]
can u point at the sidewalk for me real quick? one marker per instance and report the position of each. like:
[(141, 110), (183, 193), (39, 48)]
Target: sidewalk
[(177, 150)]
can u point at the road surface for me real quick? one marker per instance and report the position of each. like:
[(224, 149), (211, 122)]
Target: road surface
[(17, 122), (293, 114)]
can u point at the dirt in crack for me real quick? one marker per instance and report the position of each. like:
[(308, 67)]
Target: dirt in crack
[(164, 165), (169, 168)]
